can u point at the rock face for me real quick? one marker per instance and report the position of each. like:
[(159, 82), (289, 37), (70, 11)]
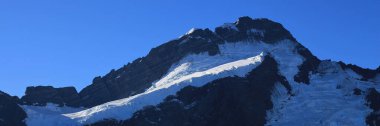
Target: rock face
[(373, 100), (310, 64), (223, 102), (137, 76), (40, 95), (10, 113)]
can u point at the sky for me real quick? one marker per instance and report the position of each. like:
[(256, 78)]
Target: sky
[(69, 42)]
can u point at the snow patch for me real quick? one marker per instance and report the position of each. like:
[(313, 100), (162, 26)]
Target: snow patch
[(327, 100), (191, 31), (353, 74), (49, 115)]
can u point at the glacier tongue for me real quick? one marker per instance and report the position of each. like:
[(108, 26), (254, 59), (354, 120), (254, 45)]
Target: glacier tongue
[(194, 70), (49, 115)]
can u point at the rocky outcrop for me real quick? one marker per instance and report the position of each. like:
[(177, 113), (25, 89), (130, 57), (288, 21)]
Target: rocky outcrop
[(241, 101), (253, 29), (309, 65), (40, 95), (373, 101), (10, 113)]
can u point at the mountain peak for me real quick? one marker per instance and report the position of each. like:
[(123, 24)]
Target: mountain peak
[(191, 31)]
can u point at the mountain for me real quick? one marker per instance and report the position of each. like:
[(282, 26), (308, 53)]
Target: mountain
[(10, 113), (137, 76), (251, 72)]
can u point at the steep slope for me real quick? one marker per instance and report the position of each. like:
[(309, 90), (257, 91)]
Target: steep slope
[(329, 99)]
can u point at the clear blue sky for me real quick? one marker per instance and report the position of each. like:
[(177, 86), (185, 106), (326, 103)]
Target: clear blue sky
[(69, 42)]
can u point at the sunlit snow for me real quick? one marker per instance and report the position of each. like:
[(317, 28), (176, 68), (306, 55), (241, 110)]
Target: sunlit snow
[(327, 101)]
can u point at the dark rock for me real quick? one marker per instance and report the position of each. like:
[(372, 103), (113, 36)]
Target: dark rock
[(310, 64), (10, 113), (273, 31), (357, 91), (373, 119), (373, 101), (40, 95), (241, 101)]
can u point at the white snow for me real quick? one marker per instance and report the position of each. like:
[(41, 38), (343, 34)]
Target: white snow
[(327, 101), (352, 74), (191, 31), (49, 115)]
